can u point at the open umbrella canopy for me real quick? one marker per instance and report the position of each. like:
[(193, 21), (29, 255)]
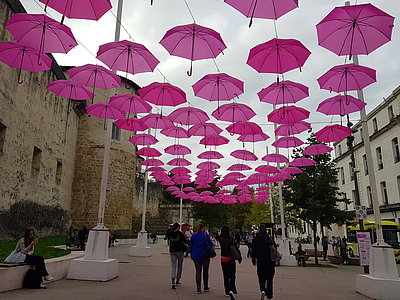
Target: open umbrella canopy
[(244, 155), (175, 132), (267, 169), (302, 162), (291, 129), (214, 140), (204, 129), (233, 112), (355, 29), (210, 155), (180, 170), (348, 77), (155, 169), (172, 188), (208, 165), (143, 139), (130, 124), (95, 76), (104, 110), (127, 56), (283, 92), (177, 150), (244, 128), (149, 152), (275, 158), (193, 42), (292, 170), (239, 167), (278, 56), (252, 138), (156, 121), (164, 94), (218, 87), (179, 162), (167, 182), (340, 105), (287, 142), (317, 149), (152, 162), (288, 115), (188, 189), (234, 175), (70, 89), (188, 116), (332, 133), (203, 186), (130, 103)]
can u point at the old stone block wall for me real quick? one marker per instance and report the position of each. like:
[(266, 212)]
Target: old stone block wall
[(31, 116)]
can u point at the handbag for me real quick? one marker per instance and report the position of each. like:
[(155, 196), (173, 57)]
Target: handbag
[(15, 257), (210, 250), (273, 249), (235, 254)]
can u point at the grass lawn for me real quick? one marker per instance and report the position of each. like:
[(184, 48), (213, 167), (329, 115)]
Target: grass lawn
[(43, 248)]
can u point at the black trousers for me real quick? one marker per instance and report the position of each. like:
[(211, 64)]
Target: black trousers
[(38, 263), (265, 273), (202, 265), (229, 271)]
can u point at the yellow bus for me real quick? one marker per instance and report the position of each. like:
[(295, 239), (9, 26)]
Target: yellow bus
[(391, 235)]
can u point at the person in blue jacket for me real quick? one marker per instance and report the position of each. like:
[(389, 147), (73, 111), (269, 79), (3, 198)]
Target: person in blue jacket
[(198, 253)]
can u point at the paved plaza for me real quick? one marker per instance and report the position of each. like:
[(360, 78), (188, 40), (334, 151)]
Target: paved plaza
[(149, 278)]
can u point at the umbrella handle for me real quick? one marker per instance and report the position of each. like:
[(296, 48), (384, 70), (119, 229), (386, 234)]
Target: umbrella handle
[(251, 22), (190, 72), (62, 20), (105, 124)]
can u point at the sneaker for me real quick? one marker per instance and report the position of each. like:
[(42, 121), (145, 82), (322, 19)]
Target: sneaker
[(178, 282), (262, 295), (231, 295), (42, 286), (198, 291), (206, 289), (173, 286)]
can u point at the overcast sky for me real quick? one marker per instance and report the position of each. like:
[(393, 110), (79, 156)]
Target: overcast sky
[(147, 24)]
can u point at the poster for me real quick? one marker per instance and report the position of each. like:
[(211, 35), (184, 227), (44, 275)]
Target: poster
[(364, 246)]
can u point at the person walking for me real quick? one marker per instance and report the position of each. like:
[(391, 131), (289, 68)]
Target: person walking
[(325, 246), (262, 258), (249, 243), (177, 247), (200, 257), (229, 251)]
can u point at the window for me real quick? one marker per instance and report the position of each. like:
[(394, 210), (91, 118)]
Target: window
[(353, 196), (365, 163), (375, 124), (58, 172), (351, 171), (116, 133), (396, 152), (37, 156), (391, 113), (2, 136), (369, 193), (384, 193), (340, 149), (379, 158), (361, 135), (342, 175)]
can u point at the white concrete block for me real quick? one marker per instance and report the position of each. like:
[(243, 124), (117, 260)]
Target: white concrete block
[(93, 270), (378, 288), (139, 251)]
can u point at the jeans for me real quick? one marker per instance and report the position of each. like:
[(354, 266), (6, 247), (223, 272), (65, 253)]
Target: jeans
[(229, 271), (202, 265), (176, 265), (38, 263), (266, 272)]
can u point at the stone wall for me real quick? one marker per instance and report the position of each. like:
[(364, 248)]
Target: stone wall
[(30, 117)]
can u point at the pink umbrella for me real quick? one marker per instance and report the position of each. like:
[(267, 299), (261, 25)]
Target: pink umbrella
[(160, 175), (244, 128), (192, 194), (258, 178), (283, 92), (292, 170), (288, 115), (208, 165), (341, 105), (267, 169), (239, 167), (356, 29), (242, 186), (172, 188), (179, 162), (152, 162), (214, 140), (149, 152), (287, 142), (128, 57), (163, 94), (155, 169), (105, 111), (349, 77), (252, 138), (188, 189), (317, 149), (333, 133), (206, 193), (278, 56), (218, 87), (181, 179), (264, 9), (235, 175), (276, 158), (41, 33), (291, 129), (244, 155), (233, 112), (70, 89), (263, 188), (210, 155), (180, 170), (224, 191), (281, 177), (167, 182), (143, 139), (156, 121), (193, 42), (23, 58), (130, 103), (204, 129), (203, 186), (131, 124), (80, 9), (188, 116), (175, 132), (177, 150), (302, 162)]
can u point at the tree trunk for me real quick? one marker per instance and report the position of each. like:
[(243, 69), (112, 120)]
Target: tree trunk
[(314, 228)]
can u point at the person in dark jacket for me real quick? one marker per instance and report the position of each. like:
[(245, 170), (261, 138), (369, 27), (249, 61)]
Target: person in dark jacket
[(261, 257), (177, 247), (228, 263), (199, 256)]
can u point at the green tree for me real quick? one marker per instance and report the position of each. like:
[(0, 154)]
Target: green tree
[(259, 213), (237, 215), (315, 193), (212, 215)]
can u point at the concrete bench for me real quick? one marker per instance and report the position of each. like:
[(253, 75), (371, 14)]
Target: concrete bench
[(13, 276)]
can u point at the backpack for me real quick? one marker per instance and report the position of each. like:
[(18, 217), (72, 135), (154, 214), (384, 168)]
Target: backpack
[(32, 279)]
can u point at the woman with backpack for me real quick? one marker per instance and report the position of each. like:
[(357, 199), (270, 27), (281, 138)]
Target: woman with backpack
[(262, 248), (229, 253)]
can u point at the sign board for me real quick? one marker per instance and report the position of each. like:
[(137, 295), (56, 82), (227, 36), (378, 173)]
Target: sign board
[(361, 212), (364, 247)]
